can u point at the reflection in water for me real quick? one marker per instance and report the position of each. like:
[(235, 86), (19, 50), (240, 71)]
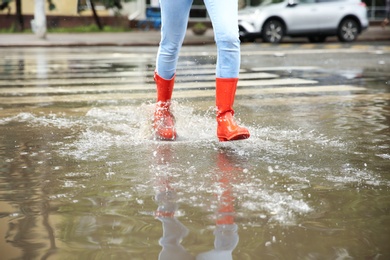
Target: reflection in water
[(173, 230), (29, 227), (74, 182), (42, 68), (226, 235)]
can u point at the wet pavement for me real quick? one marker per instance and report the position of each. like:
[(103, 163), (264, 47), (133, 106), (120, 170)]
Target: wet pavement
[(81, 177)]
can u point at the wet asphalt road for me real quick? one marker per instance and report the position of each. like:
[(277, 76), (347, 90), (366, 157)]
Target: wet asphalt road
[(81, 178)]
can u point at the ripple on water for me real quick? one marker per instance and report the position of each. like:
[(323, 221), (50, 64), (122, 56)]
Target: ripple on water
[(278, 168)]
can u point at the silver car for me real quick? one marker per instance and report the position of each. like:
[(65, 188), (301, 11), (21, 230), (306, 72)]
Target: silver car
[(315, 19)]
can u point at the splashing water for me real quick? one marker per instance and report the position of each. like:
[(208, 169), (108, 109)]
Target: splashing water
[(276, 167)]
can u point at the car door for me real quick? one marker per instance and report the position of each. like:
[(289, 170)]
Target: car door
[(331, 13), (302, 17)]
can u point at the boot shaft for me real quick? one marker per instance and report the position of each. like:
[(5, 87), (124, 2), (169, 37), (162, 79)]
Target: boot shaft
[(164, 88), (225, 93), (164, 121), (227, 129)]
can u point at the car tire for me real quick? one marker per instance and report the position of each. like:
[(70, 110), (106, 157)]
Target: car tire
[(317, 39), (348, 30), (273, 31), (246, 38)]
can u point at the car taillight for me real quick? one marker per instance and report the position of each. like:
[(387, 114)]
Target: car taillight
[(363, 4)]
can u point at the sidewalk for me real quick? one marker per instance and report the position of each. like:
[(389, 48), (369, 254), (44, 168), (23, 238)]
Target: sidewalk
[(146, 38), (134, 38)]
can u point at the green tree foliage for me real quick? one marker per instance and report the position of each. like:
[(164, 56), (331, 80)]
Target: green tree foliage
[(51, 5), (112, 3), (107, 4), (4, 4)]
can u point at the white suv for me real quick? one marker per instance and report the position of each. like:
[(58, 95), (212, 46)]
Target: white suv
[(315, 19)]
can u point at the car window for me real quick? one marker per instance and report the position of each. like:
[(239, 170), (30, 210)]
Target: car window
[(327, 1), (271, 2)]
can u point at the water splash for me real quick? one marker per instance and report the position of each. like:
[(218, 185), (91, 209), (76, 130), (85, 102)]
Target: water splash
[(274, 168)]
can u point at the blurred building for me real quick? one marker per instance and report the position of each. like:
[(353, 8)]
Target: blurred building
[(79, 12)]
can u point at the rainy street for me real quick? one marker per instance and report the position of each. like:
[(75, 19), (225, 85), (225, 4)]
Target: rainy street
[(82, 178)]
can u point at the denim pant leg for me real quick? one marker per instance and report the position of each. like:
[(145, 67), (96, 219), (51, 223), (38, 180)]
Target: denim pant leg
[(174, 19), (224, 17)]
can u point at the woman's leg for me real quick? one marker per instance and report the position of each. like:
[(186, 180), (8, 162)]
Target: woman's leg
[(224, 17), (174, 19)]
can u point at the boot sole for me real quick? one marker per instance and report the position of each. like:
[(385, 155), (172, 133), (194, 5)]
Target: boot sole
[(234, 138), (162, 138)]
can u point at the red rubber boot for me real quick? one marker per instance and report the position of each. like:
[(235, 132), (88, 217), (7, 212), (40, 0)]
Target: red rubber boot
[(227, 129), (164, 121)]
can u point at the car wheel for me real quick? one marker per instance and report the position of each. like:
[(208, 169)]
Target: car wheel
[(348, 30), (273, 31), (317, 39)]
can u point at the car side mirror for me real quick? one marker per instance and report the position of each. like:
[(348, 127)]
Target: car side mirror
[(292, 3)]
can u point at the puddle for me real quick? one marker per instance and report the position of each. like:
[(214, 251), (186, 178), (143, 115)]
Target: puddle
[(85, 180)]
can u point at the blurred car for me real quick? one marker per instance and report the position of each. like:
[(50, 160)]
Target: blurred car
[(315, 19)]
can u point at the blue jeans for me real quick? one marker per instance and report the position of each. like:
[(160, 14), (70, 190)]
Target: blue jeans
[(174, 19)]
